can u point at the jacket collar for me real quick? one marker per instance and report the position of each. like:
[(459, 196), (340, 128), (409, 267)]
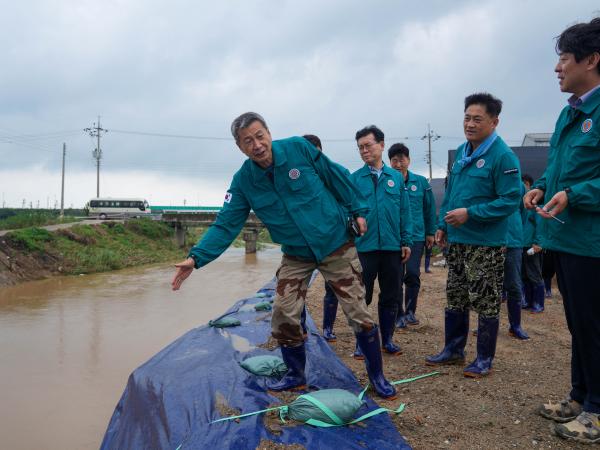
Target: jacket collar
[(591, 103), (366, 170), (279, 159)]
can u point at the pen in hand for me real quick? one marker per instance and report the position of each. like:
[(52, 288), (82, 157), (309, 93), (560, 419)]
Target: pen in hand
[(554, 217)]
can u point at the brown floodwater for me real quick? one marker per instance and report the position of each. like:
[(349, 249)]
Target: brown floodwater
[(68, 344)]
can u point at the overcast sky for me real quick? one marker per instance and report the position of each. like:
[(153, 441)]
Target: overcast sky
[(153, 70)]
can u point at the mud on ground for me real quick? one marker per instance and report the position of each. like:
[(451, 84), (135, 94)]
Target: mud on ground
[(450, 411)]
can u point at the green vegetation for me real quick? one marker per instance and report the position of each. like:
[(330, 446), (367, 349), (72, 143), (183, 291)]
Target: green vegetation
[(98, 248), (31, 239), (11, 219), (108, 246)]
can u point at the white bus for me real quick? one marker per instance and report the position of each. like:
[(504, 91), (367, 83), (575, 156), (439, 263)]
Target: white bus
[(107, 208)]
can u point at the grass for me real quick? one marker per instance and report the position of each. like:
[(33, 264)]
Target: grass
[(33, 219), (108, 246)]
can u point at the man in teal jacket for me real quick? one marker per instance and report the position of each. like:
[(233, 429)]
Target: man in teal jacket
[(422, 211), (513, 259), (483, 190), (303, 198), (385, 247), (570, 189)]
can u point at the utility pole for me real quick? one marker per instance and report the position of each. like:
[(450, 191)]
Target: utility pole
[(62, 187), (95, 131), (430, 136)]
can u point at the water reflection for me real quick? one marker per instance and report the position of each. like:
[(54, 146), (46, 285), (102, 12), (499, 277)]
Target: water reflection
[(68, 344)]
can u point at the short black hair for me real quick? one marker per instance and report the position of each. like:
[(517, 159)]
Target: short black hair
[(314, 140), (398, 149), (581, 39), (493, 105), (377, 133), (527, 179)]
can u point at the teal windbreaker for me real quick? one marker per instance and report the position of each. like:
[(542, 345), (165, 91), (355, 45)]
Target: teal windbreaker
[(490, 190), (574, 162), (514, 234), (422, 206), (304, 208), (389, 221), (531, 228)]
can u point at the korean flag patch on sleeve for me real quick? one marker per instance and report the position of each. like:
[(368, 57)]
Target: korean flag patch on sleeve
[(228, 197)]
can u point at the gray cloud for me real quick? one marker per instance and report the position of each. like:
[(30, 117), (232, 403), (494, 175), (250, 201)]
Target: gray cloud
[(328, 68)]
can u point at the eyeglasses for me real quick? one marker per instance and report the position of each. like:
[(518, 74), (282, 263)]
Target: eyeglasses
[(366, 146)]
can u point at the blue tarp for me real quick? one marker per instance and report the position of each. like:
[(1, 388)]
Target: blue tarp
[(170, 400)]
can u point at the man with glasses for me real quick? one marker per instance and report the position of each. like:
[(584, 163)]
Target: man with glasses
[(303, 198), (385, 247)]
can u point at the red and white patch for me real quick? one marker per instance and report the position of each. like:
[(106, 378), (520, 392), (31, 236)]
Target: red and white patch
[(294, 174), (391, 183), (480, 163), (413, 188), (586, 126), (228, 197)]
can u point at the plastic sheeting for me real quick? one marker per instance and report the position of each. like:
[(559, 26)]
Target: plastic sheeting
[(170, 400)]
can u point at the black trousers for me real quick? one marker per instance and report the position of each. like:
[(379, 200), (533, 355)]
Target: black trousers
[(577, 277), (387, 267), (532, 267)]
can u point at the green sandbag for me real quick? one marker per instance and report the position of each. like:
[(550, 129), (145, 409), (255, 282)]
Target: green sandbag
[(265, 365), (263, 306), (309, 407), (225, 322)]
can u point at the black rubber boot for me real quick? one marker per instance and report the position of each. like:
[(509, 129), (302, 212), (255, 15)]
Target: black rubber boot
[(294, 379), (412, 295), (368, 342), (387, 325), (538, 297), (330, 304), (487, 336), (456, 332), (400, 317), (528, 294), (513, 306)]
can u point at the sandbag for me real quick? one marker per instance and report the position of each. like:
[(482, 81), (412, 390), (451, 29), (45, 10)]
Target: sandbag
[(331, 406), (224, 322), (265, 365), (263, 306)]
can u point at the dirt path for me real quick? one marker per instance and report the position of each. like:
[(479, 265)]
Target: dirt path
[(454, 412)]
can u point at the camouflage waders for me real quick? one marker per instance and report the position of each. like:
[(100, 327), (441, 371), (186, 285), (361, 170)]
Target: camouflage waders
[(475, 276), (341, 269)]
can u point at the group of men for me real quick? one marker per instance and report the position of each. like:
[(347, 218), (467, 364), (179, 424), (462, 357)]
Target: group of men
[(357, 227)]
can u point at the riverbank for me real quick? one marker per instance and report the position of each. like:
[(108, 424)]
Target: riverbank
[(35, 253), (454, 412)]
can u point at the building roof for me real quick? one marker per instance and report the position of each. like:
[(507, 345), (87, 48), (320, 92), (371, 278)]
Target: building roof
[(536, 139)]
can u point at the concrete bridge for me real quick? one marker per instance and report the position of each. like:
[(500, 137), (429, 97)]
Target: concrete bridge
[(180, 220)]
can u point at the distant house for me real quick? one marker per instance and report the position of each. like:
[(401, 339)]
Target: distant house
[(537, 140)]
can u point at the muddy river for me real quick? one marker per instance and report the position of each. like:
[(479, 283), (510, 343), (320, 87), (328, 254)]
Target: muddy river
[(67, 345)]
